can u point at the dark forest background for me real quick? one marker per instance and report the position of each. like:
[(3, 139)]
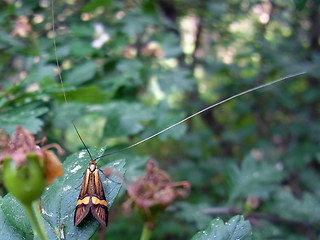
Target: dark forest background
[(132, 68)]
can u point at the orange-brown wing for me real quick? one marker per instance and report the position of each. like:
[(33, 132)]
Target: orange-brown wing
[(98, 187), (83, 203), (99, 210), (81, 211), (85, 184), (99, 207)]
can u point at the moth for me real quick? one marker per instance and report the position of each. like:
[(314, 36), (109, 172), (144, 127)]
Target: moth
[(91, 197)]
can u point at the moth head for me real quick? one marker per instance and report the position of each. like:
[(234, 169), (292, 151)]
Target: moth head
[(92, 166)]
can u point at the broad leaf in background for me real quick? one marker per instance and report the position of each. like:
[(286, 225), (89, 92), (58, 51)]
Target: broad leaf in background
[(81, 49), (170, 45), (124, 118), (70, 110), (235, 229), (134, 22), (254, 177), (129, 71), (306, 209), (82, 30), (163, 118), (38, 72), (311, 179), (90, 95), (25, 116), (81, 73), (193, 213), (175, 81), (7, 40), (90, 6)]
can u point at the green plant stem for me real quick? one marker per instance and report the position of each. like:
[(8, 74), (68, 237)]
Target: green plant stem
[(37, 225), (146, 232), (36, 210)]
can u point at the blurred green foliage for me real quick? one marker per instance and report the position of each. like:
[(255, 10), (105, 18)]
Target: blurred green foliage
[(132, 68)]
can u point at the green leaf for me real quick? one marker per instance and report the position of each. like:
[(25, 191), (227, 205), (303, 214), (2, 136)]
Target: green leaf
[(60, 199), (38, 73), (94, 4), (175, 81), (128, 78), (306, 209), (90, 95), (235, 229), (301, 155), (128, 73), (14, 222), (163, 118), (171, 45), (311, 179), (81, 49), (122, 118), (82, 30), (62, 51), (300, 4), (134, 22), (8, 40), (255, 177), (193, 213), (25, 116), (81, 73), (70, 110)]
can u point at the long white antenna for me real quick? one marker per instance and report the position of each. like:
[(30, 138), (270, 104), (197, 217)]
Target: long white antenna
[(60, 77), (55, 51), (206, 109)]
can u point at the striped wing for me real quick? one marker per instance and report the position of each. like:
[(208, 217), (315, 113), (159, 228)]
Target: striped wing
[(99, 210), (91, 197)]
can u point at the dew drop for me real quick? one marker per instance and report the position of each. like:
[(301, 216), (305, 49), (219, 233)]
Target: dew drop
[(81, 154), (75, 169), (66, 188)]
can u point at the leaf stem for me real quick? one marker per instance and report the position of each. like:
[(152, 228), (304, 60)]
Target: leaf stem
[(146, 232), (36, 220)]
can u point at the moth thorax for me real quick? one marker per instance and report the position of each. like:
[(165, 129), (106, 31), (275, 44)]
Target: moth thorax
[(92, 167)]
